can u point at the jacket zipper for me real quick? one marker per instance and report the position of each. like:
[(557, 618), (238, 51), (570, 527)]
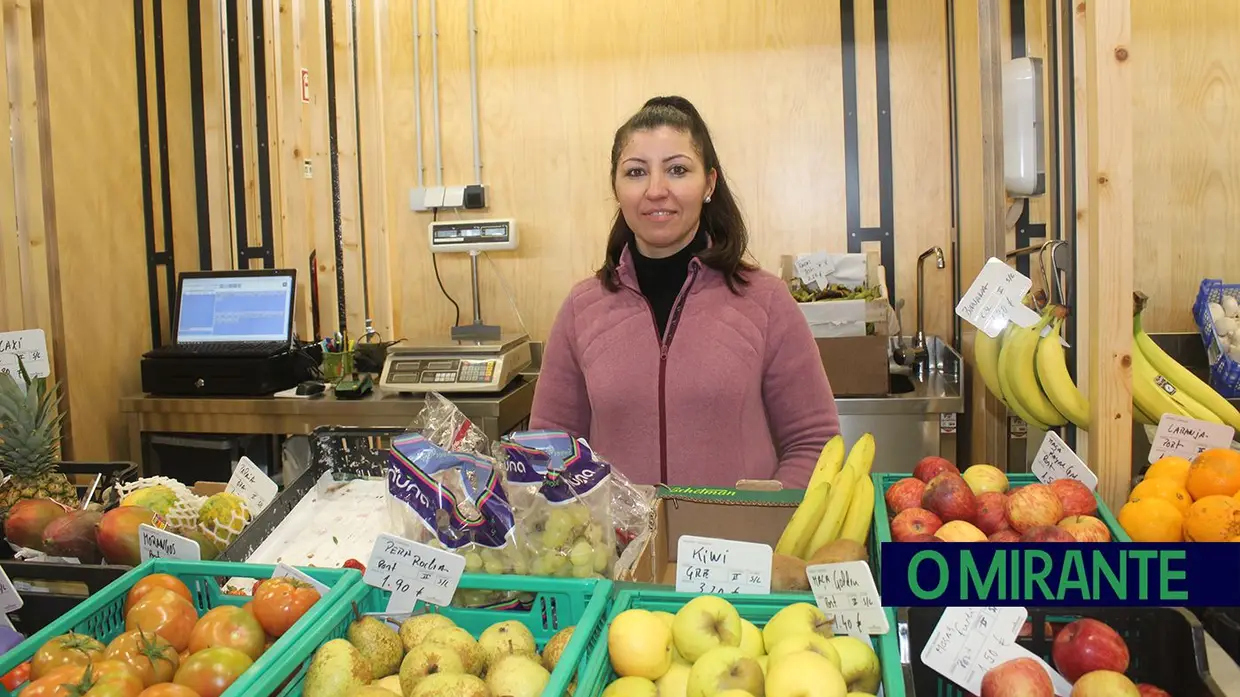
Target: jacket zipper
[(665, 343)]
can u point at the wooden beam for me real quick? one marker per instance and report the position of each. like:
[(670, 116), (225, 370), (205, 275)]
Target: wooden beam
[(1109, 235), (373, 66), (11, 315)]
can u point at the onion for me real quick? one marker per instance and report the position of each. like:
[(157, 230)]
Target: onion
[(1224, 326), (1217, 312), (1231, 307)]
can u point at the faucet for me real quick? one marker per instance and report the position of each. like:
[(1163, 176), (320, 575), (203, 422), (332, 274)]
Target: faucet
[(919, 342)]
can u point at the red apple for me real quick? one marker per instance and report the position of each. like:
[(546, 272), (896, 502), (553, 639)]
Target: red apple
[(1088, 645), (1019, 677), (1086, 528), (1047, 533), (1007, 535), (1147, 690), (1033, 505), (914, 521), (921, 537), (1075, 497), (1104, 683), (930, 467), (904, 494), (949, 497), (991, 513), (960, 531)]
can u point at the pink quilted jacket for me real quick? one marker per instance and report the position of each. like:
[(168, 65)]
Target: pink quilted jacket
[(736, 391)]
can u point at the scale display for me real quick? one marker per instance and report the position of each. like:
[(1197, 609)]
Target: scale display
[(462, 368), (472, 235)]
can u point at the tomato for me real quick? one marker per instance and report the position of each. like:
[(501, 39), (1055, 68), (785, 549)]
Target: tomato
[(165, 581), (105, 678), (17, 676), (66, 649), (150, 655), (164, 613), (228, 625), (168, 690), (280, 602), (211, 671)]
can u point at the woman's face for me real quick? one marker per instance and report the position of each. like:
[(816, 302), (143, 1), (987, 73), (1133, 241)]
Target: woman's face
[(661, 183)]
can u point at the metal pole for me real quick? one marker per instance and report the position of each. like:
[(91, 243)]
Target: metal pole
[(473, 268)]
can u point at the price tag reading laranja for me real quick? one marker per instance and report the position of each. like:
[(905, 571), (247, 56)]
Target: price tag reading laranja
[(252, 485), (413, 571), (154, 543), (1055, 460), (846, 593), (1181, 436), (713, 566), (10, 601), (994, 298)]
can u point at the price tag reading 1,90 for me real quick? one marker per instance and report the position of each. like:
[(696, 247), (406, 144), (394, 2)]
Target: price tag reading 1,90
[(413, 571), (712, 566), (845, 592)]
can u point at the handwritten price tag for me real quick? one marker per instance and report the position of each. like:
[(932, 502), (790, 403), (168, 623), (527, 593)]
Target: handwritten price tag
[(413, 572), (714, 566), (815, 269), (1055, 460), (10, 601), (968, 641), (252, 485), (846, 593), (994, 298), (31, 346), (1183, 437), (286, 571), (154, 543)]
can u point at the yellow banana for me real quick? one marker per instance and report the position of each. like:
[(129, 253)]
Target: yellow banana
[(1149, 392), (837, 507), (1183, 378), (804, 523), (1019, 381), (829, 462), (1055, 380), (860, 512), (1190, 405), (986, 356), (861, 456), (1140, 416)]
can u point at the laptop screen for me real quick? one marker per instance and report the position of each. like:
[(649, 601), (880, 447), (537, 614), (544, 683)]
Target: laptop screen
[(235, 308)]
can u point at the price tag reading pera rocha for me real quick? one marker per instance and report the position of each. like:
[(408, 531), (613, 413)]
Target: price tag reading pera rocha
[(1181, 436), (413, 571), (845, 592), (968, 641), (1055, 460), (256, 488), (713, 566), (10, 601), (994, 297), (285, 571), (154, 543)]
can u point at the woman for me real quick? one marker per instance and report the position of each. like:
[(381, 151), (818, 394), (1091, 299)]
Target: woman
[(680, 362)]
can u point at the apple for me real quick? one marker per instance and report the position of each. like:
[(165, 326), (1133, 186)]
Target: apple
[(984, 479), (1026, 630), (631, 686), (704, 623), (463, 642), (948, 497), (920, 537), (858, 664), (904, 494), (960, 531), (731, 693), (1033, 505), (1047, 533), (639, 644), (991, 512), (1147, 690), (764, 661), (668, 618), (805, 674), (450, 685), (1086, 528), (751, 639), (805, 642), (1007, 535), (914, 521), (1088, 645), (1075, 497), (506, 638), (1019, 677), (675, 682), (1104, 683), (725, 668), (931, 466), (517, 675), (794, 619)]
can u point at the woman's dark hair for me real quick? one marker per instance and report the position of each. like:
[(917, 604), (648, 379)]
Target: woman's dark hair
[(721, 218)]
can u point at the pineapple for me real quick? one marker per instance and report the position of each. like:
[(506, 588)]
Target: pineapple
[(29, 443)]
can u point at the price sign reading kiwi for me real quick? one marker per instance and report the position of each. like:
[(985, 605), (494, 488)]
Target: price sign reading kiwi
[(846, 593), (413, 571), (711, 566)]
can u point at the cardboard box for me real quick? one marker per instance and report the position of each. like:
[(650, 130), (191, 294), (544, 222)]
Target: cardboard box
[(743, 515), (857, 366)]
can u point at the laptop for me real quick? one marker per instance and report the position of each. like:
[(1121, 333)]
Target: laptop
[(246, 313)]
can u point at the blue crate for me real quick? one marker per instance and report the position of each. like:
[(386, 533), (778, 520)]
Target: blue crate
[(1224, 372)]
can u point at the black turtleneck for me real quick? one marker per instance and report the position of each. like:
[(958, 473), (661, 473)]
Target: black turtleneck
[(661, 280)]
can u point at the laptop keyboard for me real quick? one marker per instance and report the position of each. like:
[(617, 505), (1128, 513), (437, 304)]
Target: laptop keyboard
[(230, 349)]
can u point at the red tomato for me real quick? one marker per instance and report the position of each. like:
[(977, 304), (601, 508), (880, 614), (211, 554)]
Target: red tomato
[(228, 625), (101, 679), (165, 581), (280, 602), (164, 613), (17, 676), (211, 671), (150, 656), (66, 649), (168, 690)]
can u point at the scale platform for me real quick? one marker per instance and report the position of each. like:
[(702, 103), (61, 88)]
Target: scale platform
[(455, 366)]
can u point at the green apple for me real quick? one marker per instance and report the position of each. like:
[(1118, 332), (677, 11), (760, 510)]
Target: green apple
[(704, 623), (675, 682), (805, 674), (751, 639), (447, 685), (764, 661), (806, 642), (639, 645), (733, 693), (631, 686), (798, 618), (517, 675), (463, 642), (504, 639), (858, 664), (725, 668), (669, 618)]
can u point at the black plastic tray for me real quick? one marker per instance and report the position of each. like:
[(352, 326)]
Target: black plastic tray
[(44, 604), (1166, 646), (1223, 624)]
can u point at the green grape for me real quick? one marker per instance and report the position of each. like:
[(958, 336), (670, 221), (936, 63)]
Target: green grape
[(494, 567), (473, 562), (520, 567), (594, 533), (490, 555), (564, 571), (559, 530), (602, 556), (554, 561), (534, 540), (582, 572), (538, 567), (580, 514), (581, 554)]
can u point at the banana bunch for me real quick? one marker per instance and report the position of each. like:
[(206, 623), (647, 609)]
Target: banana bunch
[(838, 503)]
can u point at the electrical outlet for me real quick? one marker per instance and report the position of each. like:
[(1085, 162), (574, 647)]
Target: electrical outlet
[(454, 197), (435, 196), (417, 199)]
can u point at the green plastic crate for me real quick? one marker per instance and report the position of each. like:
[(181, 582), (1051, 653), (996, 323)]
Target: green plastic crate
[(557, 603), (881, 530), (597, 672), (102, 616)]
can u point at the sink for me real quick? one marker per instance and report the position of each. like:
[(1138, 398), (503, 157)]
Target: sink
[(900, 384)]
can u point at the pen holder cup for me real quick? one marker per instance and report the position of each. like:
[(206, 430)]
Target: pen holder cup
[(337, 364)]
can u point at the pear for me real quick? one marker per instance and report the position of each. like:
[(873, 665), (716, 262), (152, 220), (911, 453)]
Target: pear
[(413, 631), (428, 659), (370, 691), (379, 644), (391, 683), (555, 648), (447, 685), (517, 675), (465, 645), (506, 638), (336, 669)]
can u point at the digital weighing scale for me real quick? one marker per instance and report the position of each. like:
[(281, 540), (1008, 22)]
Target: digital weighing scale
[(455, 366)]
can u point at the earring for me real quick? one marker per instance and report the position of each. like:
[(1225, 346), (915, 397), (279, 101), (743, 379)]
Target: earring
[(707, 199)]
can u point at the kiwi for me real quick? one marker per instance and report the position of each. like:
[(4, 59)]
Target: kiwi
[(788, 574), (839, 551)]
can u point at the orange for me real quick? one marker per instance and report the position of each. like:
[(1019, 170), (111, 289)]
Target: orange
[(1170, 467), (1212, 519), (1215, 472), (1164, 489), (1152, 520)]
